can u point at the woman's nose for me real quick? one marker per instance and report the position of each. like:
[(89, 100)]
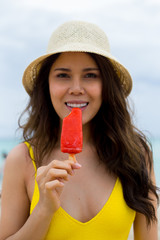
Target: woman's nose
[(76, 87)]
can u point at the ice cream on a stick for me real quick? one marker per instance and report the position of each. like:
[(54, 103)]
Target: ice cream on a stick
[(71, 136)]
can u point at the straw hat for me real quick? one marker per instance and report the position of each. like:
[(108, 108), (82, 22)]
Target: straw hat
[(77, 36)]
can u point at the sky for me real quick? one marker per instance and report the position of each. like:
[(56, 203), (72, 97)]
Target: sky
[(133, 29)]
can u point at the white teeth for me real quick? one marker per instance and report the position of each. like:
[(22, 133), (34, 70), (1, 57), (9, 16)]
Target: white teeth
[(78, 105)]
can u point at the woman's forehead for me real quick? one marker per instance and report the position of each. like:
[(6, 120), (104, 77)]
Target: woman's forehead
[(73, 59)]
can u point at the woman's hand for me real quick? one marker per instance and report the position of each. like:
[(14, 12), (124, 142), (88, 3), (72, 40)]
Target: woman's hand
[(51, 180)]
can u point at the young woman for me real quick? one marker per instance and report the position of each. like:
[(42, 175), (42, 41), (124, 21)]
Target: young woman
[(112, 185)]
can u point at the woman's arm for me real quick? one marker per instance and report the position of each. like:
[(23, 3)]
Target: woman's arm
[(16, 223), (141, 231), (15, 205)]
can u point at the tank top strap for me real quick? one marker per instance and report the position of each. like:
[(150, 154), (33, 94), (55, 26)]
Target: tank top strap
[(31, 155)]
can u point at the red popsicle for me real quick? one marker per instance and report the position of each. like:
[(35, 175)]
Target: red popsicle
[(71, 136)]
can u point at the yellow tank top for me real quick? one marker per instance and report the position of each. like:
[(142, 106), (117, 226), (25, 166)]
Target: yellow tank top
[(113, 222)]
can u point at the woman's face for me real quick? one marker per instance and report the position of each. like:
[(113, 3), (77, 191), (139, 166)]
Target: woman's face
[(75, 81)]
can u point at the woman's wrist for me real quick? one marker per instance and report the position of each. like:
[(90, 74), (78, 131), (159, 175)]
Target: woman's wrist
[(43, 211)]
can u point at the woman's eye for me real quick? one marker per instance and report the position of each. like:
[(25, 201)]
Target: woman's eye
[(63, 75), (90, 75)]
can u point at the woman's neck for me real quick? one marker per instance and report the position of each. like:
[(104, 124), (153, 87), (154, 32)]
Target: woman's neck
[(87, 140)]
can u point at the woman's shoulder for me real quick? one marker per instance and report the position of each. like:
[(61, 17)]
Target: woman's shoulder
[(19, 159), (19, 154), (18, 167)]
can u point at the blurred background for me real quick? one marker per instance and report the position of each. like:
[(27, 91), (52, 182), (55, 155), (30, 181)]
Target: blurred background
[(133, 29)]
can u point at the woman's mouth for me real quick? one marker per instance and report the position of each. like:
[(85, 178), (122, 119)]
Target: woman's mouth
[(82, 106)]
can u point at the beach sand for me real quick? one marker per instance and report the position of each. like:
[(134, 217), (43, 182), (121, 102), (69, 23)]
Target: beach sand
[(131, 232)]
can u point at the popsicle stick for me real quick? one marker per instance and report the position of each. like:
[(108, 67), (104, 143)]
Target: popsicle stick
[(72, 157)]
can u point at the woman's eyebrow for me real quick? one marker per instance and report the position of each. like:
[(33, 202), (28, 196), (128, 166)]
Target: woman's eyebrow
[(90, 69), (84, 70), (62, 69)]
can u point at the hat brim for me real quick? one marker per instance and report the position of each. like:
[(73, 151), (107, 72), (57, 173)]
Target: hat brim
[(31, 72)]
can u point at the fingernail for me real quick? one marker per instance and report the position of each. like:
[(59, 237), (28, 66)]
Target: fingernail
[(77, 165)]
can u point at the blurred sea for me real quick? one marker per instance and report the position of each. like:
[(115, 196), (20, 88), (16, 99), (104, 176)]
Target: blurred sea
[(7, 144)]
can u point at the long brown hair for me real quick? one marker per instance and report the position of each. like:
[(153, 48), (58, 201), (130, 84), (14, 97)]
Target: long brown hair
[(122, 147)]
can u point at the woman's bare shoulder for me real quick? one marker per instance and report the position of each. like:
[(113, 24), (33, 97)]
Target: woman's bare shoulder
[(18, 162), (18, 156), (18, 152)]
